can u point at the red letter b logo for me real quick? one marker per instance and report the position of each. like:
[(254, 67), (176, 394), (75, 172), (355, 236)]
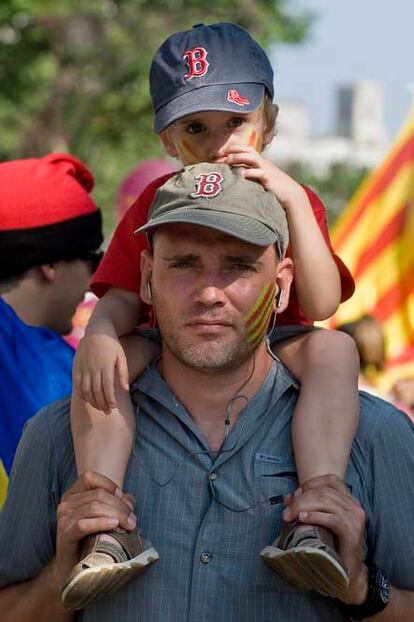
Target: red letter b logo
[(197, 63), (209, 185)]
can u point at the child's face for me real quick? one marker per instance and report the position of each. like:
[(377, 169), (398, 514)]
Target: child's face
[(205, 136)]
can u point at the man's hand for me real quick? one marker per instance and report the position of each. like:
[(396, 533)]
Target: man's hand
[(287, 191), (93, 504), (327, 502), (98, 358)]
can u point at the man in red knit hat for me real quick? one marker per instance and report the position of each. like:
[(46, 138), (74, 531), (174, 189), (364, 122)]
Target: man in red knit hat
[(50, 234)]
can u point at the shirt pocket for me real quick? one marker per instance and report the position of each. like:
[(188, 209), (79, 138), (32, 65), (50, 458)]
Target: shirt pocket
[(275, 474), (275, 477)]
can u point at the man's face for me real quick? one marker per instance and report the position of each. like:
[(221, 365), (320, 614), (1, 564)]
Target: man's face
[(69, 287), (213, 295), (205, 136)]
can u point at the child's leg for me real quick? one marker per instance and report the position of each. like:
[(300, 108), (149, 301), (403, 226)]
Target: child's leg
[(103, 443), (326, 415), (323, 428)]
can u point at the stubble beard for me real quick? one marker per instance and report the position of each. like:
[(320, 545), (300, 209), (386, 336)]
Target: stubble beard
[(210, 356)]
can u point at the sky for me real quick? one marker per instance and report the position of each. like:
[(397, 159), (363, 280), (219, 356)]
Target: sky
[(350, 40)]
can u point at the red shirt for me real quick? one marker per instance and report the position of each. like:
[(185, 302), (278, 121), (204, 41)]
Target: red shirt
[(120, 267)]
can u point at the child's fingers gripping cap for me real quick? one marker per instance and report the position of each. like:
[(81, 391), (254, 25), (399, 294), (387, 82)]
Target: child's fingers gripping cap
[(217, 67)]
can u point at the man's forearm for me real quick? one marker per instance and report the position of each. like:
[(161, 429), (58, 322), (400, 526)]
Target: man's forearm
[(37, 600), (399, 609)]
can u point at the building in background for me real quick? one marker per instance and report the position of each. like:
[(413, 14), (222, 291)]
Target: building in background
[(358, 140)]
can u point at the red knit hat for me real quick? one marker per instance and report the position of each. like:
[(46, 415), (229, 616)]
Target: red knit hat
[(46, 212)]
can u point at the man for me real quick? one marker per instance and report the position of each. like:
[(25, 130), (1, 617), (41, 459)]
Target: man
[(212, 459), (50, 233)]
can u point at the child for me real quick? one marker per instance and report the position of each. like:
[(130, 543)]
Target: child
[(212, 90)]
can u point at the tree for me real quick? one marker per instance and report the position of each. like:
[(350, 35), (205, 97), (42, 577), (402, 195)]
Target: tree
[(335, 187), (74, 75)]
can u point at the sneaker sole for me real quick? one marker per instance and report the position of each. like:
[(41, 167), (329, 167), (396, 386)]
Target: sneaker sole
[(92, 583), (309, 569)]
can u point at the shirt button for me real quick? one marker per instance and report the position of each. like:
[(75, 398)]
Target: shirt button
[(213, 476), (206, 557)]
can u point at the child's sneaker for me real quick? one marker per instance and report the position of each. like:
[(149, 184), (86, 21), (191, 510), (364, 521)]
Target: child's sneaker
[(305, 556), (108, 561)]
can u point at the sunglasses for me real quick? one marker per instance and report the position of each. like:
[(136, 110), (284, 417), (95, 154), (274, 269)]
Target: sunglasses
[(93, 258)]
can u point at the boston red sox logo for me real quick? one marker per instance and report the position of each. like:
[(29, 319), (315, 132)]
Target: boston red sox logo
[(235, 97), (197, 62), (208, 185)]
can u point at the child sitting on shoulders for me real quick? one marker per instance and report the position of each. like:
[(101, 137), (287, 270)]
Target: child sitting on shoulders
[(212, 91)]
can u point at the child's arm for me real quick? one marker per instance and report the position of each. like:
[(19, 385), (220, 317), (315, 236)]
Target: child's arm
[(317, 278), (100, 354)]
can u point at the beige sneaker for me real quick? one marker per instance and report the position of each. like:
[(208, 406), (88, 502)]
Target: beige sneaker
[(106, 565), (305, 556)]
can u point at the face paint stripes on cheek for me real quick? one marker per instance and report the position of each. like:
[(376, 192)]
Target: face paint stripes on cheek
[(190, 153), (257, 319), (253, 140)]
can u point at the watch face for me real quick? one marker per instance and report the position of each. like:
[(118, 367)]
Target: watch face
[(384, 586)]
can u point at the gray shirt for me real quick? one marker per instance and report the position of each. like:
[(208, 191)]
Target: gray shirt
[(209, 516)]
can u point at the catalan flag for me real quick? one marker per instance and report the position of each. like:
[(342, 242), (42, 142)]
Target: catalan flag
[(375, 238)]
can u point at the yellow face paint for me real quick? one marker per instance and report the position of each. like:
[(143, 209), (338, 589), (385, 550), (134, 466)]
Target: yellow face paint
[(253, 142), (190, 153), (257, 319)]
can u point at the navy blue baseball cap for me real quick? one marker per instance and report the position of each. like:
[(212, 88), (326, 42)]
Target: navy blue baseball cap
[(216, 67)]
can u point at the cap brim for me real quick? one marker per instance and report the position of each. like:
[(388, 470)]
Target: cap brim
[(214, 97), (236, 225)]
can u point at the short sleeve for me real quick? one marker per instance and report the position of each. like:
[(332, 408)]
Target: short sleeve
[(390, 524), (120, 266), (43, 468), (28, 517)]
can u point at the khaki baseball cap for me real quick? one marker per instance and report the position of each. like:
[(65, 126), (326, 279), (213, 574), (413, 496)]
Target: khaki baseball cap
[(219, 197)]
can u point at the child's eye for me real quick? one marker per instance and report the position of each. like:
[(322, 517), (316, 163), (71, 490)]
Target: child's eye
[(236, 122), (195, 128)]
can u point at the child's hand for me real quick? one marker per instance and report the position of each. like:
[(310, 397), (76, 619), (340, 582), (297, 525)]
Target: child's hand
[(98, 358), (286, 190)]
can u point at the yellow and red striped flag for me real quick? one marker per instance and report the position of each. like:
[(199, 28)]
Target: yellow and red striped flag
[(375, 238)]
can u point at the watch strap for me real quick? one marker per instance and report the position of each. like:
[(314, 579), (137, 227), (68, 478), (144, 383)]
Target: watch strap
[(377, 598)]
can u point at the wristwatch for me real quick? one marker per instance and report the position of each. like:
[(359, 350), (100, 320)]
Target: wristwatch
[(377, 599)]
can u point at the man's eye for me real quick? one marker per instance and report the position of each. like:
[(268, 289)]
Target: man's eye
[(182, 264), (242, 267), (195, 128)]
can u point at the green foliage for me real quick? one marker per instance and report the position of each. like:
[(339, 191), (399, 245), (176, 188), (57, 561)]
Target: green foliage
[(74, 74), (335, 188)]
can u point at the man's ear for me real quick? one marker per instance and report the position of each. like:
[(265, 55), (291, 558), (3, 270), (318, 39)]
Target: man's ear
[(146, 274), (168, 144), (48, 272), (283, 282)]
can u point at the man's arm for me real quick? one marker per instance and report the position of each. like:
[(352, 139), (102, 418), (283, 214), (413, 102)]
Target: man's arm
[(37, 600), (93, 504), (326, 501), (399, 609)]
